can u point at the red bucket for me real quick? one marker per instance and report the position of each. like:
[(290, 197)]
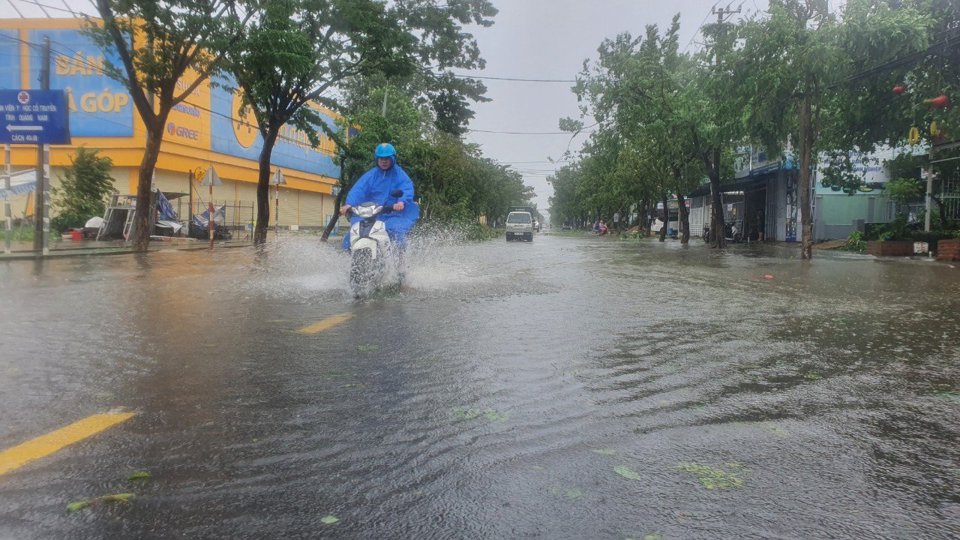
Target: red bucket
[(76, 234)]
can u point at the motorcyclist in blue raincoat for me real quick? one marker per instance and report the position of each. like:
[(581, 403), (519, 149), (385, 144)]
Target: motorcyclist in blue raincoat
[(376, 185)]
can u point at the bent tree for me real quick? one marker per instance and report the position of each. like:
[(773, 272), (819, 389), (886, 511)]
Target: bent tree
[(159, 42)]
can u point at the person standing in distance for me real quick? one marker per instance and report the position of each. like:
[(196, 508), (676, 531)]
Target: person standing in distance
[(375, 186)]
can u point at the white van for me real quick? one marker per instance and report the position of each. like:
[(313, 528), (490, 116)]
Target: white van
[(520, 226)]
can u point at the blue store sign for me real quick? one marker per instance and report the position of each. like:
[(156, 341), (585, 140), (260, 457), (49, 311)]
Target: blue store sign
[(34, 117)]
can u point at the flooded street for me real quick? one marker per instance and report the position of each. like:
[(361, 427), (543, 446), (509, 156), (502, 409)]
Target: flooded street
[(569, 388)]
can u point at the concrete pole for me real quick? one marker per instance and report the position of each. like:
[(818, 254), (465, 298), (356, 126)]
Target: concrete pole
[(45, 152), (928, 172), (7, 211), (41, 208)]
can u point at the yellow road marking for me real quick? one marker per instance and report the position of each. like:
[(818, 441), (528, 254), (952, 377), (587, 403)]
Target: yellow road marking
[(44, 445), (326, 324)]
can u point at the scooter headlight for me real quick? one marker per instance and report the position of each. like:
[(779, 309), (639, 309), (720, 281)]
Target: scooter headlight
[(367, 210)]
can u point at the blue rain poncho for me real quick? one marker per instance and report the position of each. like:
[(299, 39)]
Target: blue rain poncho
[(375, 186)]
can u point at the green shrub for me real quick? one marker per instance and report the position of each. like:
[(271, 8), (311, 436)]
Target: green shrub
[(855, 242), (82, 193)]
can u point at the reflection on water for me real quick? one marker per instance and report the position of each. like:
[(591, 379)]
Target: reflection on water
[(568, 388)]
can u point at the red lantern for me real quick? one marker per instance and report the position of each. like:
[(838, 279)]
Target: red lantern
[(899, 89), (939, 102)]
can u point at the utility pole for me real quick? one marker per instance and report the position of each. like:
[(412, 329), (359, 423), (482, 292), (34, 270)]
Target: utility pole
[(717, 218), (41, 209), (720, 13), (7, 211)]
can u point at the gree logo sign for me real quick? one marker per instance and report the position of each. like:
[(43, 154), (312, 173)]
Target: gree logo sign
[(180, 131)]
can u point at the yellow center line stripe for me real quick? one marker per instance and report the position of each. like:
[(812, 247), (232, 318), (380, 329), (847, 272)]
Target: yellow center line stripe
[(326, 324), (44, 445)]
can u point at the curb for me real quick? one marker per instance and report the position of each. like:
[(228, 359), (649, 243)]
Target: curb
[(104, 251)]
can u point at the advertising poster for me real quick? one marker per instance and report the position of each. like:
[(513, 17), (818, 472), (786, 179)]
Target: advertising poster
[(239, 137), (99, 106), (9, 59), (189, 120)]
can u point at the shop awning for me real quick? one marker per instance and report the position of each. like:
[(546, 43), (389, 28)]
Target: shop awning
[(20, 182)]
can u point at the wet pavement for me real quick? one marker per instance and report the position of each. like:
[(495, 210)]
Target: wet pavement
[(567, 388)]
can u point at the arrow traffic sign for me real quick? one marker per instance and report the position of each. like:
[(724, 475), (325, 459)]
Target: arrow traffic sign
[(24, 128)]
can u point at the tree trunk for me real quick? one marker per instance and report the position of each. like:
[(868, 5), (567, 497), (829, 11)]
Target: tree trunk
[(143, 214), (666, 219), (644, 219), (684, 216), (263, 187), (806, 155), (717, 223), (337, 202)]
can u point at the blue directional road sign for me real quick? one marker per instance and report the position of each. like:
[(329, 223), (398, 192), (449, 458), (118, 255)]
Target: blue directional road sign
[(34, 117)]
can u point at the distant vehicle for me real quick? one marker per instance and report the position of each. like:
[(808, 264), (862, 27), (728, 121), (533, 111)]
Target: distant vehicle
[(520, 226), (533, 214)]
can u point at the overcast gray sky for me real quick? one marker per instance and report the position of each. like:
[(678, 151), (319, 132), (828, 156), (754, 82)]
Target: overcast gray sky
[(550, 39), (531, 39)]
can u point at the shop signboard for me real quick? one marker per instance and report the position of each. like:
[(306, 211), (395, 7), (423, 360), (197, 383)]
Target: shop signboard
[(9, 59), (99, 105), (238, 136)]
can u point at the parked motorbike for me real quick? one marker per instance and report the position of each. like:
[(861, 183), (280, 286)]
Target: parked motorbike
[(372, 252)]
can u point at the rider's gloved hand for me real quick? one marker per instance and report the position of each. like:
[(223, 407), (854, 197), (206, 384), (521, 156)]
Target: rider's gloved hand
[(398, 206), (344, 209)]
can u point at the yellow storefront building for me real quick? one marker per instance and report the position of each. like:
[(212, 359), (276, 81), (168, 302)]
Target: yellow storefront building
[(203, 131)]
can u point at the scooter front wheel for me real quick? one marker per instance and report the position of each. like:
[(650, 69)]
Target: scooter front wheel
[(361, 269)]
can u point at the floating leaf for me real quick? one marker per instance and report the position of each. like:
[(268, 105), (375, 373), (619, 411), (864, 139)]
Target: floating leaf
[(77, 505), (569, 493), (139, 475), (368, 348), (604, 451), (653, 536), (711, 478), (626, 472), (329, 520), (117, 497)]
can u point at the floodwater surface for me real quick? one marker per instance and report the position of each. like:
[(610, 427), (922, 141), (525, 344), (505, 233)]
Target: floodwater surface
[(567, 388)]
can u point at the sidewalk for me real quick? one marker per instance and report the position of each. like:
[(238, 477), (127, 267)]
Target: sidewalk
[(85, 248)]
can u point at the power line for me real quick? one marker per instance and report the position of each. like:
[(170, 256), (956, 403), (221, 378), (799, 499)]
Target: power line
[(700, 26), (45, 7), (513, 79), (83, 62), (523, 132)]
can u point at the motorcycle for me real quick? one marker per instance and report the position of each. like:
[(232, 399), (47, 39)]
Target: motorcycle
[(372, 252)]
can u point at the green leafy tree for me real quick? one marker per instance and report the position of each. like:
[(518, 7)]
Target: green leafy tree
[(83, 190), (802, 77), (646, 137), (295, 51), (159, 42)]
